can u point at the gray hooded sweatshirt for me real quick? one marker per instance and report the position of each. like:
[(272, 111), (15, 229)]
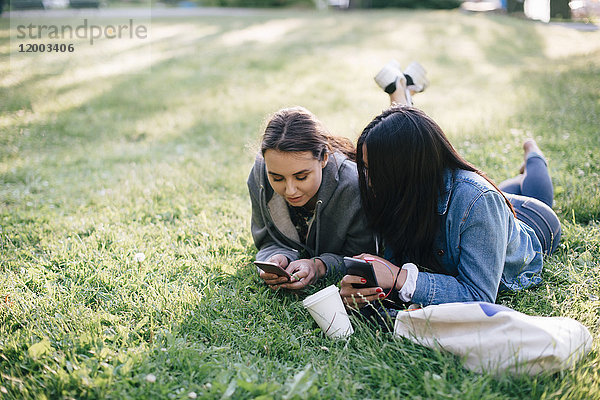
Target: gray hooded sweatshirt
[(339, 227)]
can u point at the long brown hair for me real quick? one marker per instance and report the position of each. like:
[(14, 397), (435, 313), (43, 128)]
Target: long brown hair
[(297, 129), (407, 155)]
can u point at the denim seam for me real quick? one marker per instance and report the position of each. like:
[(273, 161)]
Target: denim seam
[(541, 216), (548, 226), (432, 285), (523, 217), (469, 208), (473, 182)]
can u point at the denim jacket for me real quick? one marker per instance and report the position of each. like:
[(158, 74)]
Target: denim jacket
[(481, 245)]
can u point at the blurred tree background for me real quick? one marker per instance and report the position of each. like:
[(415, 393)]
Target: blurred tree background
[(413, 4)]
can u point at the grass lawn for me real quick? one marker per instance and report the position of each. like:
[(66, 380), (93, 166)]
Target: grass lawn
[(97, 165)]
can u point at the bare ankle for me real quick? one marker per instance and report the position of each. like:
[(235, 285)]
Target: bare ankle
[(530, 146)]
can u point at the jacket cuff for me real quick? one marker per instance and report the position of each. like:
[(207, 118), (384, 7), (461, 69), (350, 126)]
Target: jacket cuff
[(424, 290), (334, 264)]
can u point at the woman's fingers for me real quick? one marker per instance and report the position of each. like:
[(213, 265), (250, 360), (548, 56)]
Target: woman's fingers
[(266, 276), (303, 273), (272, 279), (350, 279), (300, 278), (358, 297), (279, 259)]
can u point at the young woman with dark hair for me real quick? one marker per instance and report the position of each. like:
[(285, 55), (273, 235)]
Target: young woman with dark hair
[(450, 234), (306, 209)]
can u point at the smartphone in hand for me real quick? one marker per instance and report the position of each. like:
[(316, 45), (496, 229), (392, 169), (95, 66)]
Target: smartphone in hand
[(272, 268), (362, 268)]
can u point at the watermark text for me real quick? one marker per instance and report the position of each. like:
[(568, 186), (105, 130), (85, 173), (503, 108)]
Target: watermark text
[(85, 30)]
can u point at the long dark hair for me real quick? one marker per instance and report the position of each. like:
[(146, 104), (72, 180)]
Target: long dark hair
[(407, 154), (297, 129)]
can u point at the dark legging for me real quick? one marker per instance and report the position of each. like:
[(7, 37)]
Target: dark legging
[(531, 195)]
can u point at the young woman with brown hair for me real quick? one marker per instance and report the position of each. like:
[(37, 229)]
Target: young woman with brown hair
[(306, 210)]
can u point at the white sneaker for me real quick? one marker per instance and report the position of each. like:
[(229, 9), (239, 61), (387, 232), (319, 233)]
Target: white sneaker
[(387, 77), (416, 80)]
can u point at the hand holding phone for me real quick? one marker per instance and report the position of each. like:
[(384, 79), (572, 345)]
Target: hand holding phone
[(272, 268), (362, 268)]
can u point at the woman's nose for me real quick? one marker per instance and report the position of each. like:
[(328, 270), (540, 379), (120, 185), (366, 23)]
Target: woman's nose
[(290, 187)]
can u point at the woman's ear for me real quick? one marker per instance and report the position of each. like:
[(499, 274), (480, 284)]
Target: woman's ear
[(324, 160)]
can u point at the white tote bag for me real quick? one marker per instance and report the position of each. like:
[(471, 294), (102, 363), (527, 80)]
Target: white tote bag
[(493, 338)]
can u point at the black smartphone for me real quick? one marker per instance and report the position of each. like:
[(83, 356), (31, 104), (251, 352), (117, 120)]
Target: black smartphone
[(362, 268), (272, 268)]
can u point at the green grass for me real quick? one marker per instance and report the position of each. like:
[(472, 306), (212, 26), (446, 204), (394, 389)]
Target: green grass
[(94, 169)]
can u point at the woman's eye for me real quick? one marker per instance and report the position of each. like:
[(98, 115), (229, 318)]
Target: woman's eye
[(277, 179), (301, 178)]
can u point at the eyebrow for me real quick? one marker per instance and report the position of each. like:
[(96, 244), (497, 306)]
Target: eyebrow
[(304, 171)]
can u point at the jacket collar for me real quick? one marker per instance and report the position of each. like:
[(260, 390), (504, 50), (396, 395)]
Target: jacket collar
[(331, 178), (445, 196)]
